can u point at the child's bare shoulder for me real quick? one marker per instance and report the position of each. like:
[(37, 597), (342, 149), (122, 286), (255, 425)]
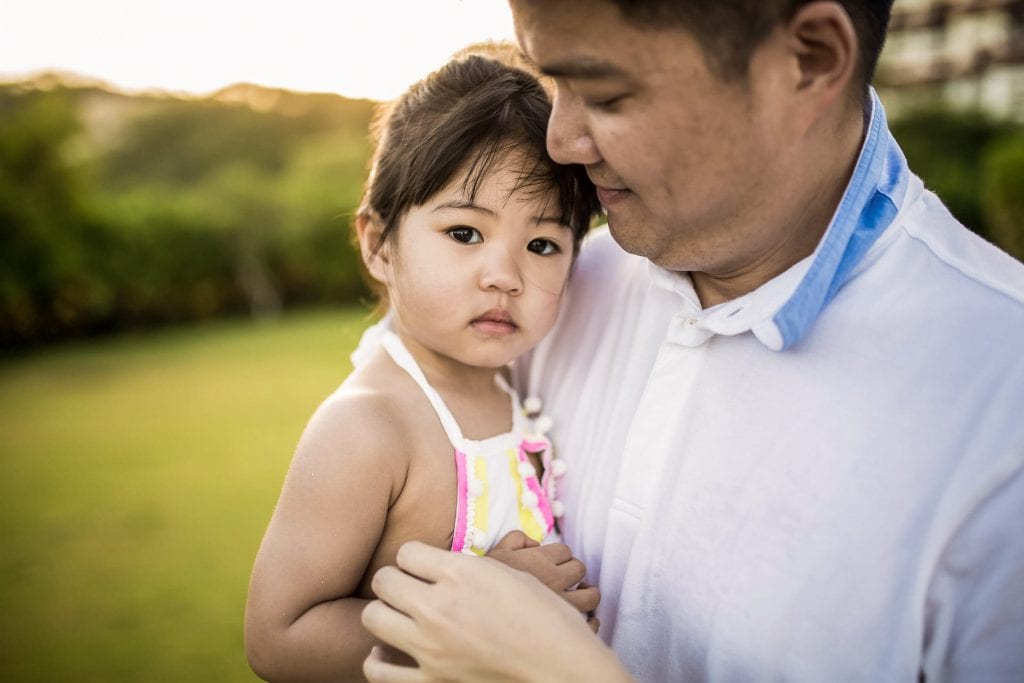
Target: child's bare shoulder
[(372, 416)]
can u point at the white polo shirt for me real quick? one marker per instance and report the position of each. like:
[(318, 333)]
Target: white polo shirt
[(820, 481)]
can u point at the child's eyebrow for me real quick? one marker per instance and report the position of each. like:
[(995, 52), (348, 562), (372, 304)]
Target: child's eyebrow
[(461, 204), (555, 220)]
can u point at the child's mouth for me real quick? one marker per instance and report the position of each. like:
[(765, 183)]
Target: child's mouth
[(495, 321)]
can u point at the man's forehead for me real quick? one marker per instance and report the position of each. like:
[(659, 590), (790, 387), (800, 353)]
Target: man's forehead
[(586, 40), (542, 25)]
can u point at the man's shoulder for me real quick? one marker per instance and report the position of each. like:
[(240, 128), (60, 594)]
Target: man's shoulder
[(930, 275), (963, 260)]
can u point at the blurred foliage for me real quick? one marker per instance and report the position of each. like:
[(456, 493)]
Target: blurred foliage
[(1002, 173), (120, 211), (973, 162)]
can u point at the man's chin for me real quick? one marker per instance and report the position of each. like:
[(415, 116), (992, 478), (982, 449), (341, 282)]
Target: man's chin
[(627, 232)]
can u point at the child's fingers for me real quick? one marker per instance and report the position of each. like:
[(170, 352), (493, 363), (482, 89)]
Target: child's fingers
[(583, 599), (557, 553), (572, 572), (515, 540), (377, 670)]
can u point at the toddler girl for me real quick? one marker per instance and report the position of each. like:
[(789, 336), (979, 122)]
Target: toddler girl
[(470, 230)]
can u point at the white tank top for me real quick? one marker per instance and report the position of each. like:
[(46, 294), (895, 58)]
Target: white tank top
[(498, 488)]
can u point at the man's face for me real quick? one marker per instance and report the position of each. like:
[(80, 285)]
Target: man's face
[(683, 160)]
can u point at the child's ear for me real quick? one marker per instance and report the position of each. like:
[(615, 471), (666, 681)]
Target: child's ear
[(375, 255)]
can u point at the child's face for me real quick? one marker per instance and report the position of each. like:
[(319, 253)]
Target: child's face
[(479, 282)]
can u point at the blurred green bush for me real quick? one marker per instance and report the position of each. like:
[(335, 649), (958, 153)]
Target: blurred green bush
[(122, 211), (975, 164)]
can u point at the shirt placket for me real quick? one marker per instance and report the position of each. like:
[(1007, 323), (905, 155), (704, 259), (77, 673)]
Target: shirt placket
[(665, 401)]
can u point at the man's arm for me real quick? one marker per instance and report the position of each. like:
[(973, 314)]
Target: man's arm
[(975, 603), (470, 619)]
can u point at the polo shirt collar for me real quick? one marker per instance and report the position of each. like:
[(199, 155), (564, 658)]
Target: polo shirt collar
[(781, 311)]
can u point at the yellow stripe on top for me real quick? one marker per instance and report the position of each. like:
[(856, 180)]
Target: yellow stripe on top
[(527, 517), (481, 503)]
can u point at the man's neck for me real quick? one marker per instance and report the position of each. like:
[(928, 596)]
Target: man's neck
[(807, 215)]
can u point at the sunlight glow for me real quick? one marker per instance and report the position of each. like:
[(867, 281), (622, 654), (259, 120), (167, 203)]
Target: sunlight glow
[(358, 48)]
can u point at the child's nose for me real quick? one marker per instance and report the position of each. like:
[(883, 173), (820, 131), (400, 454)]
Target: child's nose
[(501, 272)]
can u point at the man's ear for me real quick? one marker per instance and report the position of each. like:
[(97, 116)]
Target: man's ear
[(823, 41), (375, 255)]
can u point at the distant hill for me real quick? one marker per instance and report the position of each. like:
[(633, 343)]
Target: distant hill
[(119, 210)]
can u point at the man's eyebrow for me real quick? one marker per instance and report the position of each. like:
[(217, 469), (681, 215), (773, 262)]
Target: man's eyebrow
[(583, 67), (463, 204)]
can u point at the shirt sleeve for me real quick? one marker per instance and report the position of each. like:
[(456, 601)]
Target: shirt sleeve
[(974, 628)]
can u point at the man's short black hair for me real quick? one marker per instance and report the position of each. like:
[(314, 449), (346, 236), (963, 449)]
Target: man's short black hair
[(730, 30)]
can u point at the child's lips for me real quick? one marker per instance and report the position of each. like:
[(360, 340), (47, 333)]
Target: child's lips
[(495, 321)]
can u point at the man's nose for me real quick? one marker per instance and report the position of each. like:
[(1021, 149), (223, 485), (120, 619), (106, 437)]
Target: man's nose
[(569, 137), (500, 272)]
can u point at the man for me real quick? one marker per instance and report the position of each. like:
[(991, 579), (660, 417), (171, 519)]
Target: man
[(791, 412)]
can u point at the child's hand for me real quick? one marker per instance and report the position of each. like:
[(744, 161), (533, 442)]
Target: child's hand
[(552, 564)]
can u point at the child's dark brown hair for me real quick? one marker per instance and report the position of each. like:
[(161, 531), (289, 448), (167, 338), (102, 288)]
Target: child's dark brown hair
[(470, 114)]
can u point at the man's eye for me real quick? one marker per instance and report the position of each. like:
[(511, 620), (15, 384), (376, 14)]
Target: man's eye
[(543, 247), (465, 235), (606, 104)]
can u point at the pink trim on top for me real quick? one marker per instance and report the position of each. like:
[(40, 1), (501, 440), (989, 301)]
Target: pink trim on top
[(459, 538), (535, 446), (532, 484)]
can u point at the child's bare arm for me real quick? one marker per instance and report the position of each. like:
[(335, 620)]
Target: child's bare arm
[(302, 621)]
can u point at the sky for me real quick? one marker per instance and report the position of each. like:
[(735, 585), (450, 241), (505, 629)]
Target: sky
[(358, 48)]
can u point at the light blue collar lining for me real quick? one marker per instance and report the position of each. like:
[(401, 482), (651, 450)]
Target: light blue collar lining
[(870, 203)]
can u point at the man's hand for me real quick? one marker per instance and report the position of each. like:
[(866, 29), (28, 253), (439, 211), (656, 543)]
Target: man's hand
[(468, 619), (553, 565)]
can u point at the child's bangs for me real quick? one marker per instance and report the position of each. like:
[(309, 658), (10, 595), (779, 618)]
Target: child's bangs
[(536, 177)]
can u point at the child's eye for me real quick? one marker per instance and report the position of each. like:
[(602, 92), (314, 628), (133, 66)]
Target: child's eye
[(543, 247), (465, 235)]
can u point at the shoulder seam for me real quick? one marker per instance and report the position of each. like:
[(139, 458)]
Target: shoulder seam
[(951, 263)]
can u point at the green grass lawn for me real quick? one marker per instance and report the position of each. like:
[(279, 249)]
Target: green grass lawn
[(137, 475)]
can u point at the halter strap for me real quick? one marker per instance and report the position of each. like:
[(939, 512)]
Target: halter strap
[(400, 354)]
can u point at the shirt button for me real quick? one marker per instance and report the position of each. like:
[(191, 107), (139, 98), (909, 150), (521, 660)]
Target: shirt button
[(690, 322)]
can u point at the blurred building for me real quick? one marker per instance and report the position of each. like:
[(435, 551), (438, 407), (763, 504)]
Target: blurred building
[(963, 53)]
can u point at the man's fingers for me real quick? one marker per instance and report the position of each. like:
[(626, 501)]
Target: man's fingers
[(426, 562), (583, 599), (390, 625), (399, 590), (377, 670)]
